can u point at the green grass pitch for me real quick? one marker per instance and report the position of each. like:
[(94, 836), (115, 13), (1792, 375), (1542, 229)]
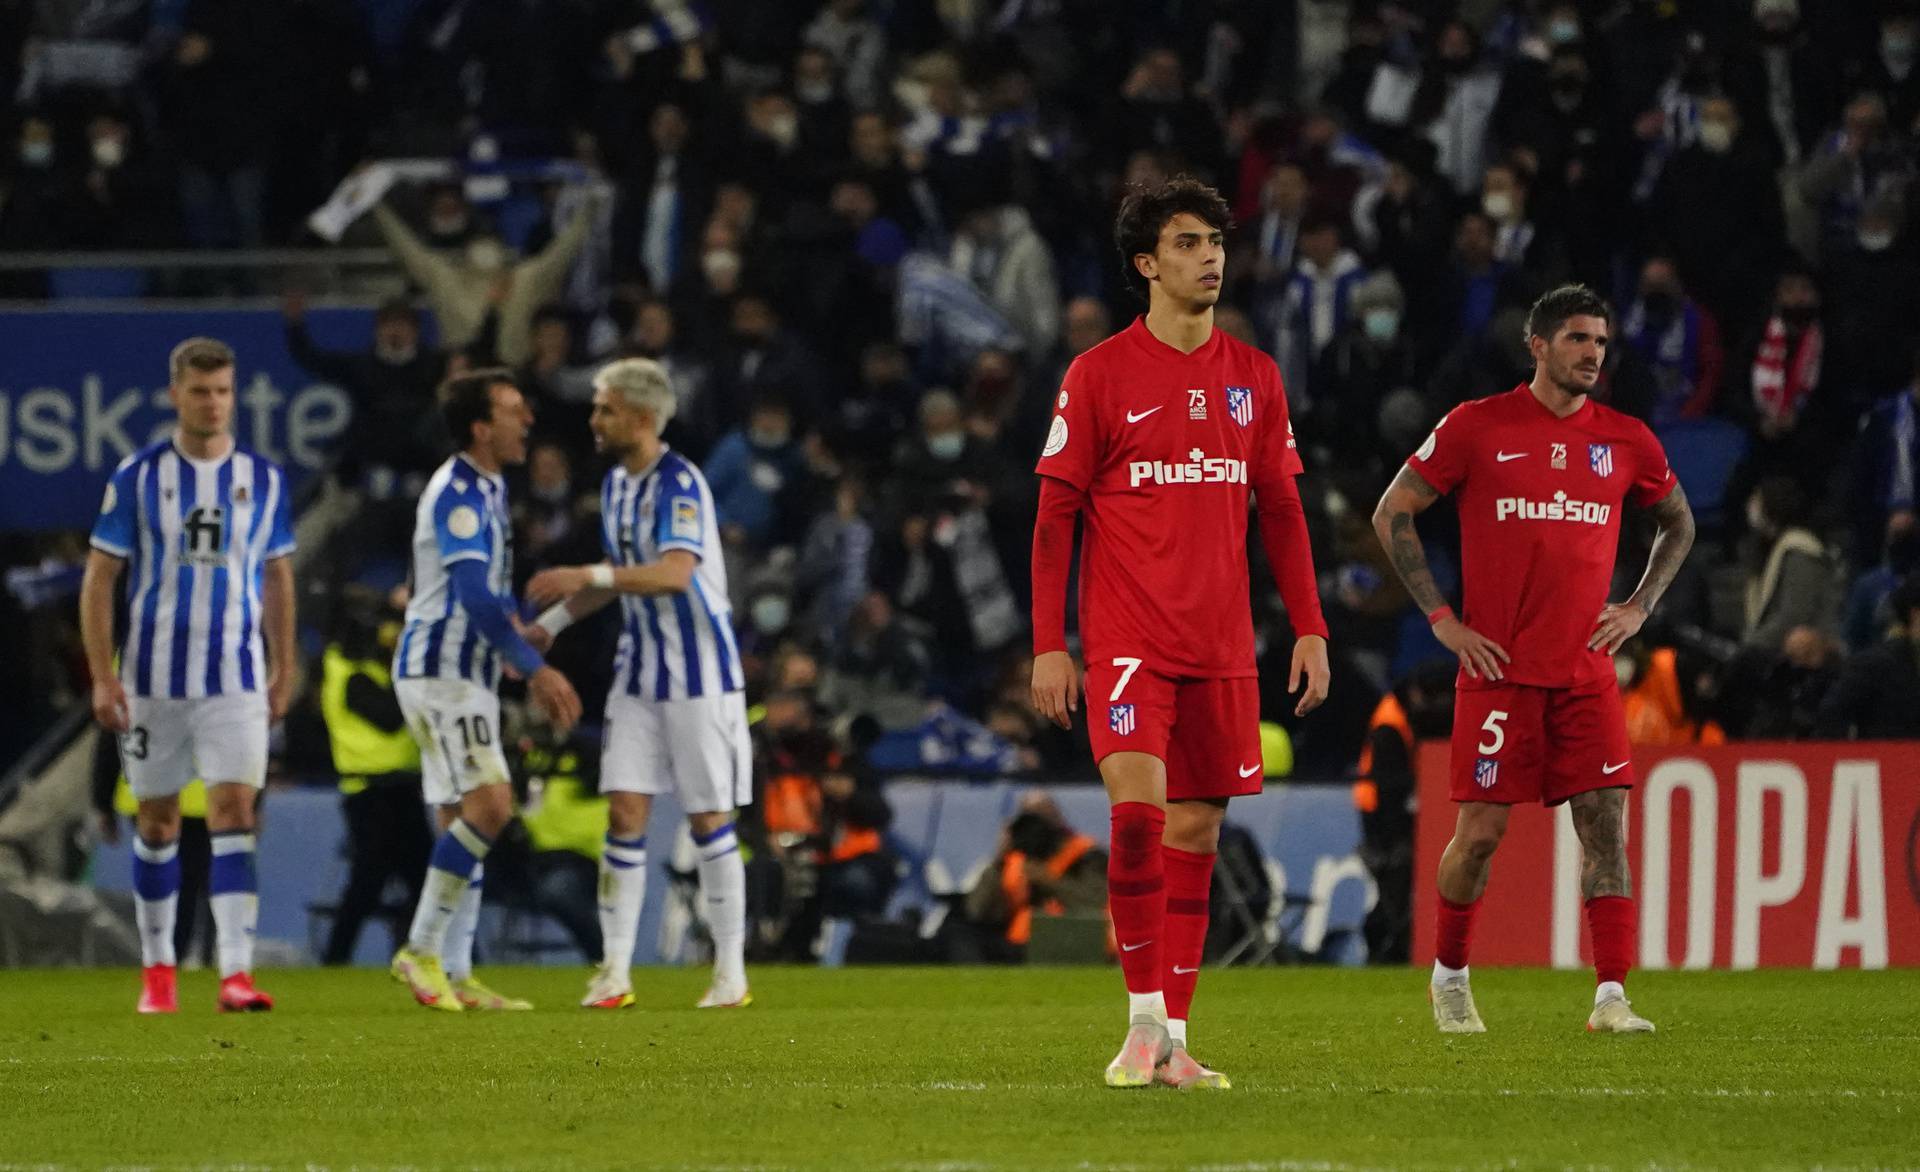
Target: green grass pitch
[(961, 1069)]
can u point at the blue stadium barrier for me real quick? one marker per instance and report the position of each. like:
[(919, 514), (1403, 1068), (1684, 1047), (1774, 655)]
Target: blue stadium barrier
[(946, 830)]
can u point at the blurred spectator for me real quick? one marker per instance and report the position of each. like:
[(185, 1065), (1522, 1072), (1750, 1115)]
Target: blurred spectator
[(1872, 279), (392, 443), (665, 195), (880, 667), (1788, 74), (116, 200), (944, 321), (997, 249), (559, 390), (30, 193), (1367, 360), (1661, 692), (1859, 164), (1868, 614), (1786, 364), (1889, 69), (1042, 867), (1885, 464), (1317, 304), (752, 472), (1448, 100), (1274, 233), (1877, 696), (856, 45), (830, 576), (1505, 195), (1473, 288), (1679, 338), (760, 359), (655, 334), (1717, 206), (1790, 579), (485, 277), (552, 522), (1157, 112)]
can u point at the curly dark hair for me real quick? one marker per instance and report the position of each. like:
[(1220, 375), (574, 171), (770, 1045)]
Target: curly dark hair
[(1146, 210), (1557, 305), (467, 399)]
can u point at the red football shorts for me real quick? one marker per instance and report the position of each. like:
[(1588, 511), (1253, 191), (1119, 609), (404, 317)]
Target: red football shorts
[(1207, 731), (1515, 743)]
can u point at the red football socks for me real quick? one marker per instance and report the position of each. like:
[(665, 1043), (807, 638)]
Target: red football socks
[(1189, 883), (1137, 892), (1454, 937), (1611, 923)]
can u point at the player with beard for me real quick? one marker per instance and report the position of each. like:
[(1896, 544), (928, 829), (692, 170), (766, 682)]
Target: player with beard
[(1540, 474)]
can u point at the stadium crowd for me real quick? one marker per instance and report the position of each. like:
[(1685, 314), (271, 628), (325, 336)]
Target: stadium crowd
[(867, 236)]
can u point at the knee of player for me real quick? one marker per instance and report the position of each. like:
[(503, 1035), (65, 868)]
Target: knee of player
[(230, 807), (1481, 839), (627, 814)]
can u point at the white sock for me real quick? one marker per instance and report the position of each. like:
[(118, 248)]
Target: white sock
[(1443, 974), (1177, 1030), (623, 888), (1153, 1005), (464, 926), (723, 893), (456, 859), (1609, 991), (235, 899), (156, 905)]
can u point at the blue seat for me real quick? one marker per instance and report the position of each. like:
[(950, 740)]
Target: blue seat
[(1704, 454), (96, 284)]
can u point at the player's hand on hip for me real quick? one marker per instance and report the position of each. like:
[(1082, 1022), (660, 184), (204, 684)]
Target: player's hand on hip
[(110, 704), (1309, 660), (550, 586), (1618, 622), (1480, 655), (1056, 687), (555, 698)]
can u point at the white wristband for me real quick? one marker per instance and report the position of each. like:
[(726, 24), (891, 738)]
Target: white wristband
[(600, 577), (555, 619)]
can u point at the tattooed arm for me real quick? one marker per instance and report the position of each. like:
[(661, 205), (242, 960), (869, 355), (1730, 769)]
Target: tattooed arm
[(1393, 524), (1621, 621)]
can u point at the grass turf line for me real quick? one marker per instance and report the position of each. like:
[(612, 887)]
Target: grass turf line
[(960, 1069)]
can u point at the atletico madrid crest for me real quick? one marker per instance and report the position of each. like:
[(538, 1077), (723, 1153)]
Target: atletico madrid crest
[(1120, 718), (1486, 772), (1240, 404), (1600, 456)]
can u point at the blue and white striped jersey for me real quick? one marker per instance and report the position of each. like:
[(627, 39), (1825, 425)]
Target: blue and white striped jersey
[(672, 647), (462, 515), (196, 535)]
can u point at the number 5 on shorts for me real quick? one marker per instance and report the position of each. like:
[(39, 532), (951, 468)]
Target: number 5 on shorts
[(1131, 665), (1492, 725)]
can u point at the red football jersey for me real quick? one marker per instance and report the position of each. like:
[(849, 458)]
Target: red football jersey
[(1540, 501), (1169, 448)]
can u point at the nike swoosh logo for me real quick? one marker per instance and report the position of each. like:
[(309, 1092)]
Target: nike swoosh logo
[(1503, 457), (1612, 769), (1249, 770), (1132, 418), (1184, 972), (1135, 947)]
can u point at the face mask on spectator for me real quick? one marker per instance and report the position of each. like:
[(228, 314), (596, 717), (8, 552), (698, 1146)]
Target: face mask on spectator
[(814, 92), (1382, 325), (1716, 136), (551, 494), (783, 129), (37, 153), (396, 355), (1563, 30), (1498, 204), (768, 437), (1897, 47), (947, 445), (109, 152), (487, 255), (769, 614), (720, 264), (1875, 240)]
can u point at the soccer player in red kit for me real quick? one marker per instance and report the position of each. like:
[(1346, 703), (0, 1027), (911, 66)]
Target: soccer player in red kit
[(1161, 434), (1540, 475)]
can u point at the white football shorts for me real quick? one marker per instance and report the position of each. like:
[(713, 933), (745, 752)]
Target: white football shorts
[(217, 739), (457, 725), (697, 749)]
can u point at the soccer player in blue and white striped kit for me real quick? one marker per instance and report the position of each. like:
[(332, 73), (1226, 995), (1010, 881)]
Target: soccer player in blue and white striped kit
[(676, 716), (206, 529), (461, 626)]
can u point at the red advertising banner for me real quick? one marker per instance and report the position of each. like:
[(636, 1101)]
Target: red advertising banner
[(1792, 855)]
